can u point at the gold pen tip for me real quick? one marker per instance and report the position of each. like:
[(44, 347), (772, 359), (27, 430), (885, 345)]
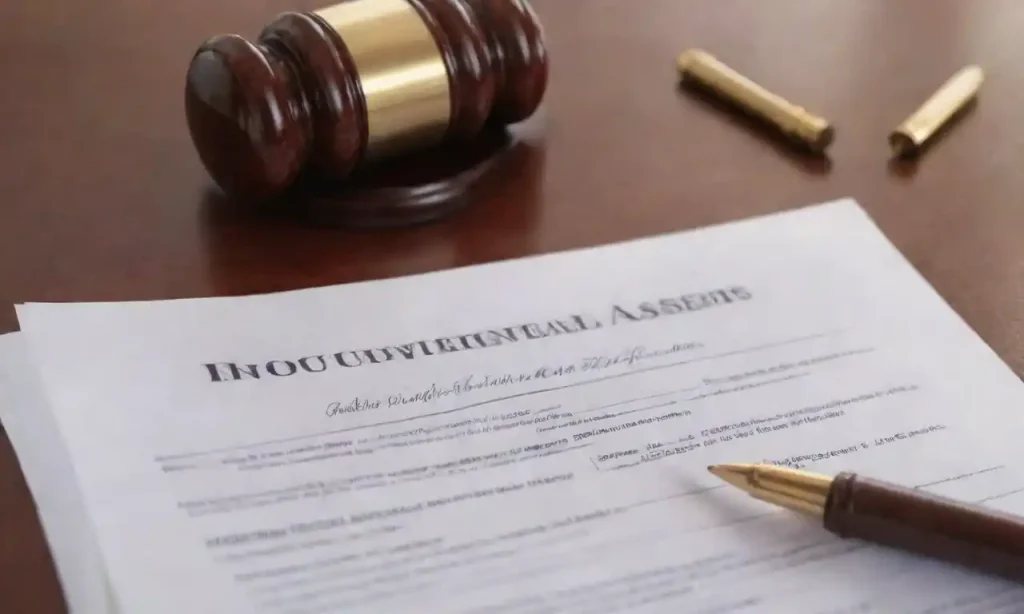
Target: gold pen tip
[(736, 474)]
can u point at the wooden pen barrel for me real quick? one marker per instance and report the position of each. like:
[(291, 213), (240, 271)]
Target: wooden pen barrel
[(973, 536), (359, 81)]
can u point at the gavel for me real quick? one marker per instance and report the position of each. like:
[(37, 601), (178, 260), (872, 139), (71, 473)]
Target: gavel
[(329, 91)]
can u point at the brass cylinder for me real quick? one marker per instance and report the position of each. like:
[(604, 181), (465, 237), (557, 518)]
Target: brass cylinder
[(814, 132), (928, 119)]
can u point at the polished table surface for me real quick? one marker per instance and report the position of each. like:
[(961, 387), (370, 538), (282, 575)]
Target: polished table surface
[(103, 198)]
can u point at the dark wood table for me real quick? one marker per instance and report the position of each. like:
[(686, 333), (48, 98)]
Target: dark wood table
[(103, 198)]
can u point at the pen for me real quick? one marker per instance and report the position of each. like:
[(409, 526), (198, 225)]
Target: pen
[(853, 506)]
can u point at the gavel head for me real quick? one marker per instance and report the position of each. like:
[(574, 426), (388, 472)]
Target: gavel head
[(328, 91)]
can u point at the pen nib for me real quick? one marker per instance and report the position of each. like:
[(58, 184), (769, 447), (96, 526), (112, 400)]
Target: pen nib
[(789, 488), (737, 475)]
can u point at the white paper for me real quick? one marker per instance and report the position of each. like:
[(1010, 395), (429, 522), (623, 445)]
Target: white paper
[(51, 480), (563, 473)]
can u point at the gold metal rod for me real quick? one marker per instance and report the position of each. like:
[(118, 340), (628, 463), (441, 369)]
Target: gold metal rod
[(795, 121), (910, 136)]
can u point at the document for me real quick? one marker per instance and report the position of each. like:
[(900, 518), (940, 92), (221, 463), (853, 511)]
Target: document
[(50, 476), (532, 436)]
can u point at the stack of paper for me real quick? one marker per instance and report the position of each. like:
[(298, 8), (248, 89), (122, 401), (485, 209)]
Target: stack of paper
[(523, 437)]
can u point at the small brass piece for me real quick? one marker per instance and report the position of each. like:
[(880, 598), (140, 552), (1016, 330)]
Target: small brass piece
[(704, 69), (914, 132)]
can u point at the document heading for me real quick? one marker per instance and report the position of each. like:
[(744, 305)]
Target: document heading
[(477, 340)]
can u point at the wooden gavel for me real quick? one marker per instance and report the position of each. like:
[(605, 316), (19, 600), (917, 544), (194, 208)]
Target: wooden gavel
[(363, 80)]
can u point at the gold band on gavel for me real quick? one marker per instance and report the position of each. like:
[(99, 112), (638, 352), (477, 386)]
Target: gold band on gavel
[(401, 70), (710, 73)]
